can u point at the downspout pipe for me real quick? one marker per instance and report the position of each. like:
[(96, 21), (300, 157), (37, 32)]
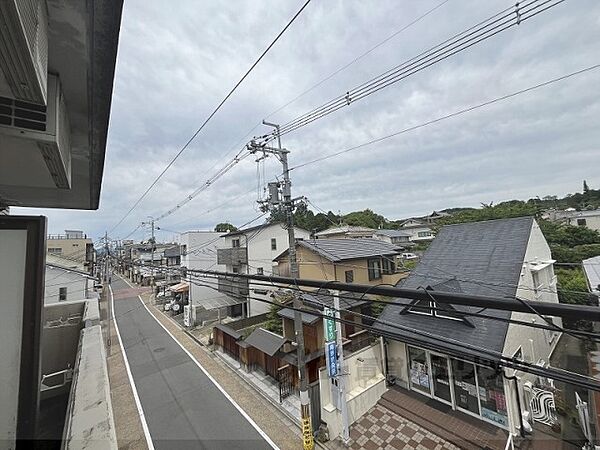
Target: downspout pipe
[(518, 397)]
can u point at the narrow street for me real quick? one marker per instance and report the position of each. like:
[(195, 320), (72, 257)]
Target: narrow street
[(182, 407)]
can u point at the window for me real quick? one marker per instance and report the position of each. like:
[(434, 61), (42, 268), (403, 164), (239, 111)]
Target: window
[(235, 269), (374, 266), (75, 245), (260, 271), (349, 276), (273, 244), (235, 243), (581, 222), (55, 251), (389, 267), (491, 396), (424, 233), (62, 294)]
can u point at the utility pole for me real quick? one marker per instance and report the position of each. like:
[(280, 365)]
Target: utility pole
[(288, 205), (342, 372), (153, 246), (108, 304)]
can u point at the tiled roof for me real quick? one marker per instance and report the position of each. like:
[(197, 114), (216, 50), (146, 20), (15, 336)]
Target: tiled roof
[(591, 266), (344, 249), (481, 258), (265, 341), (344, 229), (393, 233)]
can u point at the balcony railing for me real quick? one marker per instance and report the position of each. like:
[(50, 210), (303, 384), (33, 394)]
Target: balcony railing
[(233, 286), (234, 256)]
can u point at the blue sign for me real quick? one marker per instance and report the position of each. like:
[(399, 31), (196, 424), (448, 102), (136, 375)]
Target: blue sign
[(332, 364)]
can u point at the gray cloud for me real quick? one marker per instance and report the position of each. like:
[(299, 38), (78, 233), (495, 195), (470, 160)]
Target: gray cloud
[(176, 63)]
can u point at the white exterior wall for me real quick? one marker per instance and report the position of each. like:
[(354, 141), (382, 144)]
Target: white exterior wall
[(77, 284), (414, 231), (536, 344), (364, 386), (201, 253), (260, 255), (397, 363), (591, 221)]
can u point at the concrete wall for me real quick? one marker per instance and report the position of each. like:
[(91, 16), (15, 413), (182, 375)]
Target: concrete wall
[(260, 255), (70, 248), (75, 284), (90, 423), (201, 249), (535, 344), (364, 386)]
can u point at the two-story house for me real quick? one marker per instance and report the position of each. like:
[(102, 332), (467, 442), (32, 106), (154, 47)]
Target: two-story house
[(502, 258), (199, 251), (252, 251), (396, 237), (419, 230), (364, 261), (345, 232), (570, 216)]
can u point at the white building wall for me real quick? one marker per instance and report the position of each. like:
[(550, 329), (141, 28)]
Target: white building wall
[(536, 344), (591, 221), (261, 255), (365, 386), (201, 253)]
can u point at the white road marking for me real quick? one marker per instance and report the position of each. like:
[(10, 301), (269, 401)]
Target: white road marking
[(138, 404), (209, 376)]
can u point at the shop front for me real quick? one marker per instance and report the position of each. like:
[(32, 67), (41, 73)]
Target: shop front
[(467, 387)]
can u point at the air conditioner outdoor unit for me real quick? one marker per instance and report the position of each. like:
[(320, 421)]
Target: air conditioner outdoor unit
[(24, 48), (46, 127)]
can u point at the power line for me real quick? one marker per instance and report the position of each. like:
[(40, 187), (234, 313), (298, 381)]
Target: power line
[(186, 145), (447, 116), (484, 30), (358, 58)]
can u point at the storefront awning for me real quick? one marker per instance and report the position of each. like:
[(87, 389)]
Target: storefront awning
[(181, 287)]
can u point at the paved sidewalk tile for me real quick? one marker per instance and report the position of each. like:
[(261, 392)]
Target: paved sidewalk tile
[(381, 428)]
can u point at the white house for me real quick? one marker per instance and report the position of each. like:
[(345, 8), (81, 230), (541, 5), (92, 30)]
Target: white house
[(589, 219), (344, 232), (199, 251), (252, 251), (399, 237), (502, 258), (419, 231)]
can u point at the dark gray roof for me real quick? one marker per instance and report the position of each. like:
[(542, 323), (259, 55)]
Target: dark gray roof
[(591, 267), (229, 331), (265, 341), (458, 260), (255, 228), (393, 233), (307, 318), (344, 249), (172, 251)]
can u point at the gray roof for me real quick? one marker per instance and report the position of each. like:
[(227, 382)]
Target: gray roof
[(591, 266), (307, 318), (344, 249), (344, 229), (229, 331), (255, 228), (172, 251), (265, 341), (458, 260), (393, 233), (321, 299)]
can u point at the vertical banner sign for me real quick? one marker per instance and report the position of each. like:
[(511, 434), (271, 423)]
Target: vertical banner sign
[(330, 342), (330, 334), (332, 359)]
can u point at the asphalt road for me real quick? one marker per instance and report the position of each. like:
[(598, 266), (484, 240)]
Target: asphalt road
[(182, 406)]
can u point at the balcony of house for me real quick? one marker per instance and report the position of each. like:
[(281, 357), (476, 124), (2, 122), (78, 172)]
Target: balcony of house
[(233, 286), (234, 256), (75, 402)]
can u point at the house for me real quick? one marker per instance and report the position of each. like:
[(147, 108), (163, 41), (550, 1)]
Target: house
[(591, 267), (570, 216), (419, 230), (172, 256), (252, 251), (398, 237), (72, 245), (345, 232), (502, 258), (364, 261), (199, 252)]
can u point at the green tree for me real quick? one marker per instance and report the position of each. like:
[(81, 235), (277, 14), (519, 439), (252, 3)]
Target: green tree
[(586, 189), (224, 227), (366, 218)]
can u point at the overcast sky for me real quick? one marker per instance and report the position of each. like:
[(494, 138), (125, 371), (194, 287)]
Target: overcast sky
[(176, 63)]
